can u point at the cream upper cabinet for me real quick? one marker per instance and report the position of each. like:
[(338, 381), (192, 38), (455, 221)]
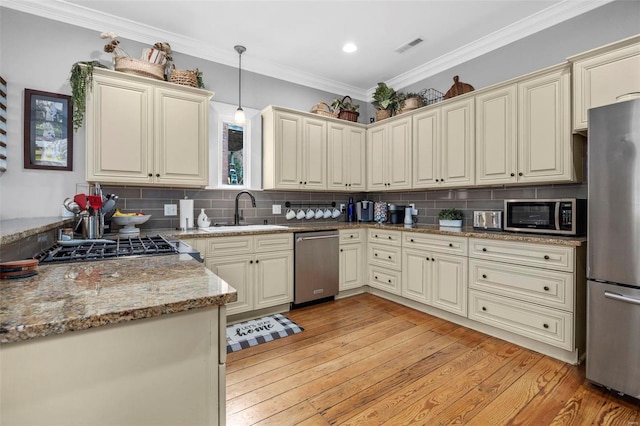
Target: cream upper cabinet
[(443, 145), (346, 157), (294, 150), (603, 74), (146, 132), (496, 136), (523, 132), (389, 155)]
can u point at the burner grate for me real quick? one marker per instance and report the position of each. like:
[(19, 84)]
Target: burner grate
[(100, 250)]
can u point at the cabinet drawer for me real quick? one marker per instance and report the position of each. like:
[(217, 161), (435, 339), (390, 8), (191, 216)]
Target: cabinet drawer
[(352, 236), (273, 242), (224, 246), (549, 288), (386, 256), (384, 236), (385, 279), (438, 243), (524, 254), (545, 325)]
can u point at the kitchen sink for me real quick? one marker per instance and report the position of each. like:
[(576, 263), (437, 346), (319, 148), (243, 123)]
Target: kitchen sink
[(241, 228)]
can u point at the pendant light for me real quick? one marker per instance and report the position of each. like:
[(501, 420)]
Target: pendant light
[(239, 117)]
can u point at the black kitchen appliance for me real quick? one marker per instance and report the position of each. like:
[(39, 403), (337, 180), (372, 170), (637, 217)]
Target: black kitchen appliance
[(396, 214), (364, 211), (88, 250)]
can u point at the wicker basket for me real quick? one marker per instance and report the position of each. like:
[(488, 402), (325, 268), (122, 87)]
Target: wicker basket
[(381, 114), (320, 110), (184, 77), (138, 67)]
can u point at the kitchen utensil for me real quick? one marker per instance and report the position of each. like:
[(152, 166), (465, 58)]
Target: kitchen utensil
[(301, 214), (319, 213), (327, 213), (109, 206), (73, 243), (95, 201), (91, 226), (71, 205), (81, 201), (310, 214), (290, 214)]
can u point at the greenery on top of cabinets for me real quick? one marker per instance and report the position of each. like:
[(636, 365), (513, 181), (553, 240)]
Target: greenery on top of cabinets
[(385, 98), (81, 76)]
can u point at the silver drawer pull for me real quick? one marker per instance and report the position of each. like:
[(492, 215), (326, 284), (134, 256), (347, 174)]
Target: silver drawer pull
[(621, 298)]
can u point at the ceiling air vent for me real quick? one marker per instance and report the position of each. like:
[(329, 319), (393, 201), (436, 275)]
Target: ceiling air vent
[(409, 45)]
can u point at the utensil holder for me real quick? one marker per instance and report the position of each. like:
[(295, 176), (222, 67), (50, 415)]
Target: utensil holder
[(91, 227)]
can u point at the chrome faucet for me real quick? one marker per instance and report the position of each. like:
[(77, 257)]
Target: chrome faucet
[(236, 215)]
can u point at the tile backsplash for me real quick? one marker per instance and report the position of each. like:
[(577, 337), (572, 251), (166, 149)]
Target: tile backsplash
[(219, 204)]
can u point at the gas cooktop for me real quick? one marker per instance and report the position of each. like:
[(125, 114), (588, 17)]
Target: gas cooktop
[(106, 249)]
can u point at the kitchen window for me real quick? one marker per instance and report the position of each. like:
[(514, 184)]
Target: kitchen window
[(235, 151)]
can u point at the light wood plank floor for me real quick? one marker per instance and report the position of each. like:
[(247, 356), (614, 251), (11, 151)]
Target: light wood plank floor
[(366, 360)]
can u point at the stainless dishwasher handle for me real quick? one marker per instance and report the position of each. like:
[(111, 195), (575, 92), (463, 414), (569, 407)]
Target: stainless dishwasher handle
[(321, 237), (621, 298)]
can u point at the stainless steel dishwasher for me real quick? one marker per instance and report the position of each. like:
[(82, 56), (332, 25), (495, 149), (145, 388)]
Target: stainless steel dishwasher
[(316, 259)]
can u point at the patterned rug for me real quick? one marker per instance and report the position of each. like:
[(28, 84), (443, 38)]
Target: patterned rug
[(251, 333)]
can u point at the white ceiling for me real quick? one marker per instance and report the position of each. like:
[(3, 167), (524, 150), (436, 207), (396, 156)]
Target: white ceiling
[(301, 40)]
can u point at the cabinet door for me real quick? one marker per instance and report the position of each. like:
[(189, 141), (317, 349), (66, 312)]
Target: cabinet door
[(288, 150), (274, 279), (496, 136), (345, 157), (457, 148), (399, 154), (237, 271), (544, 129), (119, 131), (376, 158), (416, 275), (351, 266), (600, 78), (314, 153), (450, 283), (182, 138), (426, 138)]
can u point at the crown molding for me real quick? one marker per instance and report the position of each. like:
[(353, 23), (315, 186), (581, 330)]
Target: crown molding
[(544, 19), (73, 14)]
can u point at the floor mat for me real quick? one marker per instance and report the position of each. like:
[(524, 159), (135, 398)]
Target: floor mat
[(251, 333)]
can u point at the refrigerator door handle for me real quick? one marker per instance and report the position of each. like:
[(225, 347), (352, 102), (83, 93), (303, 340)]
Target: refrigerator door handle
[(621, 298)]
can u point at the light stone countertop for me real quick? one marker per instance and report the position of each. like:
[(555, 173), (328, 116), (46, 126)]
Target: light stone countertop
[(12, 230), (466, 231), (65, 297)]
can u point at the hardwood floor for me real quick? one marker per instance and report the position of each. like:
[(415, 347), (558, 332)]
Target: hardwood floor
[(366, 360)]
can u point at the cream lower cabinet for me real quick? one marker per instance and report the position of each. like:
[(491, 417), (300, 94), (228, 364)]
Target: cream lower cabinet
[(294, 150), (443, 145), (146, 132), (389, 155), (352, 258), (601, 75), (384, 260), (533, 290), (259, 267), (523, 131), (346, 159), (434, 271)]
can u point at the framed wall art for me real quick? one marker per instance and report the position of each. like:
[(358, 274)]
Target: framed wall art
[(48, 134)]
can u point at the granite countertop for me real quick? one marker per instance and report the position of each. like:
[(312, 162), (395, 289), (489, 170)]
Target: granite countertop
[(12, 230), (466, 231), (65, 297)]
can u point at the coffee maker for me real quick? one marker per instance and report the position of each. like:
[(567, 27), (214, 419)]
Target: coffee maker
[(364, 211), (396, 214)]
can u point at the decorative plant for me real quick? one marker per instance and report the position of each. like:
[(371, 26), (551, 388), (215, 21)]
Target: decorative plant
[(114, 45), (385, 97), (450, 214), (344, 105), (81, 76), (409, 95)]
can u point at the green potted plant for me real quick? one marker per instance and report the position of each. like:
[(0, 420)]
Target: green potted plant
[(386, 101), (345, 109), (81, 76), (412, 100), (451, 217)]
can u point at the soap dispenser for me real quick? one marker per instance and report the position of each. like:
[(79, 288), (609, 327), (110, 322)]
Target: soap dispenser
[(203, 220)]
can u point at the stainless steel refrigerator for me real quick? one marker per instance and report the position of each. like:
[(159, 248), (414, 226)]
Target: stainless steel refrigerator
[(613, 247)]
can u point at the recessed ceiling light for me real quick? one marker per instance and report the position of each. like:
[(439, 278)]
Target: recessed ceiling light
[(349, 48)]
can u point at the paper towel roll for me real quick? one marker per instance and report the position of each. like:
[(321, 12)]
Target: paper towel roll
[(186, 214)]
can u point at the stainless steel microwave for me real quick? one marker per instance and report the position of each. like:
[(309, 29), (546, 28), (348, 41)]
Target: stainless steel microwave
[(561, 216)]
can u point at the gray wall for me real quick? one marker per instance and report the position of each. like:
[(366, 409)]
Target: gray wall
[(37, 53)]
